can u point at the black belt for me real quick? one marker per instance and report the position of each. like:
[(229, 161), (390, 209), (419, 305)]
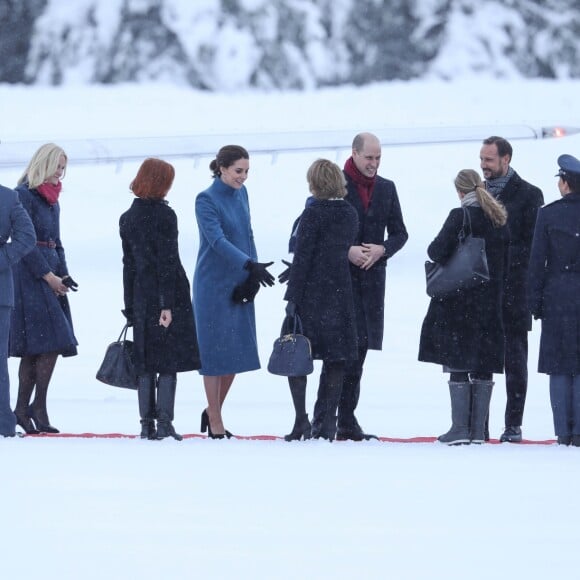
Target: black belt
[(50, 244)]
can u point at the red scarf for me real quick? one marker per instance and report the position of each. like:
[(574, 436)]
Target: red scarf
[(364, 184), (49, 191)]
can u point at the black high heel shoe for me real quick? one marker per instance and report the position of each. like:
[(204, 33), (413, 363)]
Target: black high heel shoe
[(205, 426), (27, 424), (41, 427), (301, 429)]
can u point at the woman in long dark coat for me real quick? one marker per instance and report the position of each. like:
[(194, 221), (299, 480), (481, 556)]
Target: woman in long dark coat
[(41, 326), (157, 302), (320, 290), (554, 287), (464, 332)]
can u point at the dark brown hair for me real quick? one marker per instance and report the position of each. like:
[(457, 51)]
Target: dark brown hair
[(153, 180), (503, 145), (226, 157)]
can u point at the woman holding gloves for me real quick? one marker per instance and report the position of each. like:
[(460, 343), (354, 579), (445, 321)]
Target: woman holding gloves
[(226, 280)]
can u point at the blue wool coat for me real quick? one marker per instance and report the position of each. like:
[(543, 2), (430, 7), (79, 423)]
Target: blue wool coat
[(554, 285), (15, 225), (226, 331), (41, 321)]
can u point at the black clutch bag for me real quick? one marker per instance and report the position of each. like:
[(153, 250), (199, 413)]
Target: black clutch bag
[(246, 291), (292, 352), (117, 368)]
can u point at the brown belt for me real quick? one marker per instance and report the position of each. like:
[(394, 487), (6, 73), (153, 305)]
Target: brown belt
[(50, 244)]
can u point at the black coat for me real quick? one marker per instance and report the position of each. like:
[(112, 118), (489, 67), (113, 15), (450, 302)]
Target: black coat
[(522, 201), (320, 283), (465, 331), (154, 280), (384, 213), (554, 285)]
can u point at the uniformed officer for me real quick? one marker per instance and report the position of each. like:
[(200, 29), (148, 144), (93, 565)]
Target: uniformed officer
[(553, 290)]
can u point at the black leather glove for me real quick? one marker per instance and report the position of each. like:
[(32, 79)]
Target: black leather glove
[(285, 275), (246, 291), (291, 308), (128, 314), (70, 283), (258, 272)]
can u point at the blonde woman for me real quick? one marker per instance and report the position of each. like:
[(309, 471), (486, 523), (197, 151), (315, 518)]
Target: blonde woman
[(320, 292), (41, 325), (464, 332)]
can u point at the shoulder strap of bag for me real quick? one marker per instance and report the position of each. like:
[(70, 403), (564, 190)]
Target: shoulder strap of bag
[(123, 335), (465, 231)]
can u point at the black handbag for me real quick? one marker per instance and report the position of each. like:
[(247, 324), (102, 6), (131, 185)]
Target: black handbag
[(466, 268), (117, 368), (292, 352)]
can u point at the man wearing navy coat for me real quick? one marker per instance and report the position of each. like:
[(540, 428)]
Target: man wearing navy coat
[(17, 238), (522, 201), (377, 205)]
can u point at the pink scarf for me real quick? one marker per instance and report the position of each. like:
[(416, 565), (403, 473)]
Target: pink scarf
[(50, 192)]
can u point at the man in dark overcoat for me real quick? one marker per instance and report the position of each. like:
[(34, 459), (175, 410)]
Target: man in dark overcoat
[(17, 238), (522, 201), (377, 205)]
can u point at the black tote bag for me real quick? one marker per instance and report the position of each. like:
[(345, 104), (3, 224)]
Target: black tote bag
[(466, 268), (117, 368), (292, 352)]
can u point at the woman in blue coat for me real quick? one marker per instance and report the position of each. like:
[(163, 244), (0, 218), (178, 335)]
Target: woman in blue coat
[(41, 326), (553, 290), (157, 298), (227, 277), (320, 292)]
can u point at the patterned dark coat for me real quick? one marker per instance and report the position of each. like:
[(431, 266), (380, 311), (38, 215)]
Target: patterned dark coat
[(154, 280), (522, 201), (465, 331), (320, 283), (554, 285), (384, 212), (41, 321)]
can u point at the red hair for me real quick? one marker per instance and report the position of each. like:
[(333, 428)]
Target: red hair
[(153, 180)]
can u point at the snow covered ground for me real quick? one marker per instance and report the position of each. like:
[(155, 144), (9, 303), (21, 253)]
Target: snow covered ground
[(111, 508)]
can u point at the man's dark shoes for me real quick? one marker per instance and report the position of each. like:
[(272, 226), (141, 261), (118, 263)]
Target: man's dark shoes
[(564, 440), (575, 441), (511, 435), (353, 434)]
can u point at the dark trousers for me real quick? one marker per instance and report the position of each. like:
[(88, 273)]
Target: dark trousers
[(7, 418), (349, 395), (565, 401), (516, 375)]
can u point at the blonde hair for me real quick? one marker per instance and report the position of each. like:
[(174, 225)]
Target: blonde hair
[(43, 165), (326, 180), (468, 180)]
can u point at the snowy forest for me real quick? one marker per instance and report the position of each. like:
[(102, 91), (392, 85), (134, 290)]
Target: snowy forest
[(225, 45)]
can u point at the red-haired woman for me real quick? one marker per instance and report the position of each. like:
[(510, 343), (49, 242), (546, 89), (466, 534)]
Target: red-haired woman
[(157, 298)]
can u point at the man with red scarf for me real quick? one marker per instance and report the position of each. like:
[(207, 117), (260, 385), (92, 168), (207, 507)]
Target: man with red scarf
[(377, 204)]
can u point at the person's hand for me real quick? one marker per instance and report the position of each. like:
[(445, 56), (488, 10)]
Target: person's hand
[(55, 283), (128, 314), (291, 309), (285, 275), (70, 283), (165, 318), (259, 273), (357, 256), (372, 253)]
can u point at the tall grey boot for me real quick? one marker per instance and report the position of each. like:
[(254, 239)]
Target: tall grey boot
[(166, 385), (334, 378), (481, 398), (460, 408), (146, 397)]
